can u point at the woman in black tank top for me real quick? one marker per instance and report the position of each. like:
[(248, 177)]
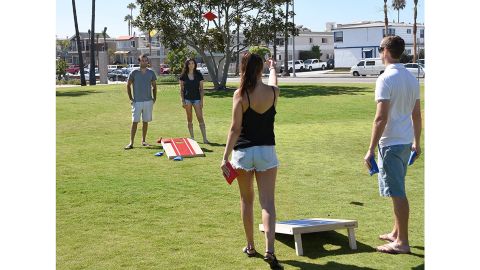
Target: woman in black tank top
[(251, 141)]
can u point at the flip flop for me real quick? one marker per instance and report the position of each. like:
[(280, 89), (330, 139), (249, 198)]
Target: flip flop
[(390, 248), (159, 154), (179, 158), (385, 237), (251, 252), (128, 147), (145, 144)]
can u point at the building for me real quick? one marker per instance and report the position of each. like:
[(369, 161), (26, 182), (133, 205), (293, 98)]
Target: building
[(356, 41), (101, 44), (304, 42)]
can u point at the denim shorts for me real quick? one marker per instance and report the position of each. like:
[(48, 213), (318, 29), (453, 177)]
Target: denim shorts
[(392, 164), (192, 101), (258, 158)]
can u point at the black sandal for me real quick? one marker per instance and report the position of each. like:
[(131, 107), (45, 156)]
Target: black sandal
[(251, 252), (272, 261)]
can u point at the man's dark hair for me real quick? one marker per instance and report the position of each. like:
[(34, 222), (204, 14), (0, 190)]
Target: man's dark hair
[(142, 56), (395, 45)]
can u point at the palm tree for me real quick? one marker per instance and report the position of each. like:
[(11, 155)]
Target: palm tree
[(92, 48), (415, 31), (397, 5), (385, 10), (79, 47), (98, 63), (285, 60), (128, 18), (131, 6)]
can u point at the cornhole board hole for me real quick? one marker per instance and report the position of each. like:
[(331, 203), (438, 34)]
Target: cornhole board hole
[(181, 147), (311, 225)]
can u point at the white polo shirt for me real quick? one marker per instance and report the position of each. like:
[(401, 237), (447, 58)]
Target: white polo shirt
[(402, 89)]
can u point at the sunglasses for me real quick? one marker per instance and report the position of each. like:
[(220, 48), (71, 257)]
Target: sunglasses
[(380, 49)]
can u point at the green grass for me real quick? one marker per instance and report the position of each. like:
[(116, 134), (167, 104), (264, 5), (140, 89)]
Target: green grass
[(120, 209)]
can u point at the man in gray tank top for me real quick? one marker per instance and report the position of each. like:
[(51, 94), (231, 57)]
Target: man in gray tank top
[(144, 96)]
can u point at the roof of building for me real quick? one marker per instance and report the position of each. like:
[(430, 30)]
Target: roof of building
[(122, 38), (364, 24), (85, 35)]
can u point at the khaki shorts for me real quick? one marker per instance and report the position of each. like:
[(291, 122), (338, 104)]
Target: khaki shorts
[(144, 108)]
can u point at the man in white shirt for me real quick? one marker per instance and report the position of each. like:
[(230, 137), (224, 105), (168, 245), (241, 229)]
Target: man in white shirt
[(397, 124)]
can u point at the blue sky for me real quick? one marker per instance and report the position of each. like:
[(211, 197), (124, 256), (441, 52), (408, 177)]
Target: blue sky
[(310, 13)]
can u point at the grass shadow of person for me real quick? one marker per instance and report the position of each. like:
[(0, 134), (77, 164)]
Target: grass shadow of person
[(328, 266), (75, 93), (217, 144), (304, 90), (314, 244), (206, 150)]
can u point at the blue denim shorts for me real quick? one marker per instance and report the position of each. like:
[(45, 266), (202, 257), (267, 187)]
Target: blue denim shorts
[(392, 164), (258, 158), (192, 101)]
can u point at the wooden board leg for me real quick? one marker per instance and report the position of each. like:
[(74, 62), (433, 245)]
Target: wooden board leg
[(298, 244), (351, 238)]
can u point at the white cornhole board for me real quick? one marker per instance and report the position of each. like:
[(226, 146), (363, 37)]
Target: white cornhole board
[(183, 147), (310, 225)]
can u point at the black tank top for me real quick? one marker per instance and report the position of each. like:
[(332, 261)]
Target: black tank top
[(257, 128)]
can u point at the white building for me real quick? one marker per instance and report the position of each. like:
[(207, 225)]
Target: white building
[(356, 41), (304, 42)]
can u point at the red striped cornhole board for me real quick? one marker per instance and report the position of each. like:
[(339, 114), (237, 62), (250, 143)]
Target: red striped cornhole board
[(183, 147)]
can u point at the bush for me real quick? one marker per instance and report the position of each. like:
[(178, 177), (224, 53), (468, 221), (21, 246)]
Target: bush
[(170, 79), (69, 81)]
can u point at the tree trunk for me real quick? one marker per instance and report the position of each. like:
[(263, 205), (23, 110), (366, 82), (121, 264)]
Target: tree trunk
[(274, 36), (415, 31), (386, 16), (79, 46), (98, 63), (92, 78), (285, 60)]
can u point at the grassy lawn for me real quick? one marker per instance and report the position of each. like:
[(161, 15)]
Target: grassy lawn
[(120, 209)]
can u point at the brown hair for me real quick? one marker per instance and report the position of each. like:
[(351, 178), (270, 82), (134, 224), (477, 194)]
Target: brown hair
[(185, 69), (251, 66), (394, 44), (142, 56)]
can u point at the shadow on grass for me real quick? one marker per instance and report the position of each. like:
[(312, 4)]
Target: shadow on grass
[(313, 244), (419, 267), (296, 91), (206, 150), (75, 93), (216, 144), (327, 266)]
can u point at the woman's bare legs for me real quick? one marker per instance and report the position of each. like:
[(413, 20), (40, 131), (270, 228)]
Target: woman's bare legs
[(245, 183), (266, 190)]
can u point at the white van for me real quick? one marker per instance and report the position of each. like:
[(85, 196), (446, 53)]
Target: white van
[(369, 66)]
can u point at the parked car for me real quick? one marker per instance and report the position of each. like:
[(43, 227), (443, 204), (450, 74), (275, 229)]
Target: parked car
[(421, 62), (87, 74), (202, 68), (72, 69), (369, 66), (164, 69), (417, 70), (113, 67), (330, 63), (299, 65), (312, 64), (118, 75)]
